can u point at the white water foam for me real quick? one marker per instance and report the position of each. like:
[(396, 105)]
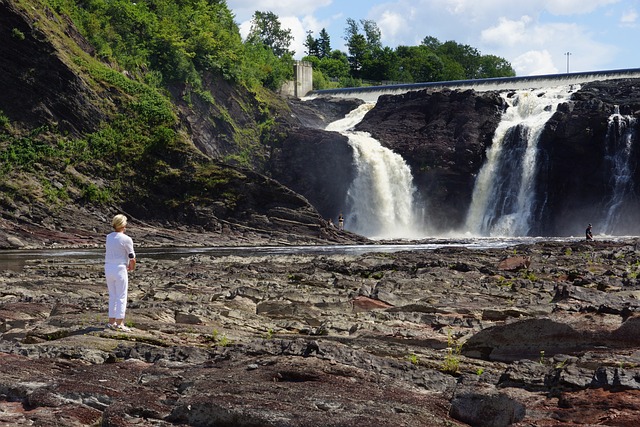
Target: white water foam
[(381, 200), (619, 143), (504, 193)]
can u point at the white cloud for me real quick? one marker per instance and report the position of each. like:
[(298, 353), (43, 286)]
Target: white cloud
[(540, 48), (507, 32), (391, 24), (534, 62), (299, 33), (629, 18)]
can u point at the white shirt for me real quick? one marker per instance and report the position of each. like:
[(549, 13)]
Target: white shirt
[(119, 246)]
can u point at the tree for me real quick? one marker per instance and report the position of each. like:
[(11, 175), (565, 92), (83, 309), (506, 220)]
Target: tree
[(363, 48), (372, 33), (312, 45), (267, 30), (419, 64), (324, 44), (495, 66), (336, 65), (431, 42), (468, 57), (381, 64), (451, 70), (357, 46)]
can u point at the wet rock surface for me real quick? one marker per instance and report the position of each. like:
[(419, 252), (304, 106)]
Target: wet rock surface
[(416, 338)]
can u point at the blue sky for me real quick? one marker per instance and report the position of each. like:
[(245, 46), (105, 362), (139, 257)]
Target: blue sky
[(533, 35)]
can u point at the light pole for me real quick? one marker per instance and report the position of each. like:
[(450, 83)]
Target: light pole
[(568, 54)]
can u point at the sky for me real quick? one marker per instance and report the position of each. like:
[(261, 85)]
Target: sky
[(537, 37)]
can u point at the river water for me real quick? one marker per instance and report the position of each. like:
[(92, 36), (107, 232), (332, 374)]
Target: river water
[(15, 260)]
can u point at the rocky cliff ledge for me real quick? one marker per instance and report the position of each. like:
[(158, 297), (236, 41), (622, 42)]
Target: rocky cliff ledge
[(543, 335)]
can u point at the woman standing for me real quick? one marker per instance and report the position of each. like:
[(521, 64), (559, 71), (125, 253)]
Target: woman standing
[(119, 259)]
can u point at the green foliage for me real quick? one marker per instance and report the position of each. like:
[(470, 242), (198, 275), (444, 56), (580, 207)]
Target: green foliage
[(161, 39), (413, 358), (17, 34), (52, 193), (94, 194), (432, 60), (24, 152), (451, 363), (4, 121), (222, 341), (530, 275), (267, 31), (266, 68)]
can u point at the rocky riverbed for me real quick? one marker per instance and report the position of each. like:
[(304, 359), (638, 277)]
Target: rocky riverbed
[(534, 335)]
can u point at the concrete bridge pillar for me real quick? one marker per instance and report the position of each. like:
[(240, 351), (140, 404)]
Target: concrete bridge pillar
[(302, 82)]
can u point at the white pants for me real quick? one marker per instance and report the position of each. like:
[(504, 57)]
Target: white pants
[(118, 285)]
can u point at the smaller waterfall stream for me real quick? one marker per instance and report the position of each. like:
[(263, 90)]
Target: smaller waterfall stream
[(619, 143), (504, 193), (380, 201)]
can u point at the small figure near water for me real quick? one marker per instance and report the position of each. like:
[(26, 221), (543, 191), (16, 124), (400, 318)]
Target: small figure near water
[(588, 233), (331, 223), (340, 222)]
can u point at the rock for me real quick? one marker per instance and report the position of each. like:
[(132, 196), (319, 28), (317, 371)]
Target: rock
[(484, 408), (15, 242), (221, 337), (515, 263)]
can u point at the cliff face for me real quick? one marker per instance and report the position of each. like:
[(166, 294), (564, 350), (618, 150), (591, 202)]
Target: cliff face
[(577, 147), (443, 137), (36, 86)]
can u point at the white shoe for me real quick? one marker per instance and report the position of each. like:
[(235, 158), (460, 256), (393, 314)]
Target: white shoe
[(123, 328)]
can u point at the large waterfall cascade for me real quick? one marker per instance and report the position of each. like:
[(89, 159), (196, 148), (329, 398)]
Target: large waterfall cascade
[(381, 200), (619, 143), (504, 193)]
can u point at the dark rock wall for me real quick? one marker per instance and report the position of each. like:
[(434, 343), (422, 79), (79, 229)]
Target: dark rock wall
[(317, 164), (37, 86), (443, 137), (574, 176)]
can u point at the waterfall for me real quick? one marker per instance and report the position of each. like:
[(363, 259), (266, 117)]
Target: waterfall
[(618, 145), (504, 194), (380, 201)]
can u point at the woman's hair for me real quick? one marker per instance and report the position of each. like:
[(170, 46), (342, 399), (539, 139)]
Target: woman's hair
[(119, 221)]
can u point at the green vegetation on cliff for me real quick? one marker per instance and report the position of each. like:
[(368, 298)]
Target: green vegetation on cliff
[(108, 93)]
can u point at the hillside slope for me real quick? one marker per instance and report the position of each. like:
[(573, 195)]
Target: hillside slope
[(81, 139)]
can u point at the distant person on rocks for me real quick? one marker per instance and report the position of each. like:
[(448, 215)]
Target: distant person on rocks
[(340, 222), (119, 259), (331, 223), (588, 233)]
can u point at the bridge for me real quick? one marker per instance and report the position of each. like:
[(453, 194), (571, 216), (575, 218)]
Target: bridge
[(371, 93)]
